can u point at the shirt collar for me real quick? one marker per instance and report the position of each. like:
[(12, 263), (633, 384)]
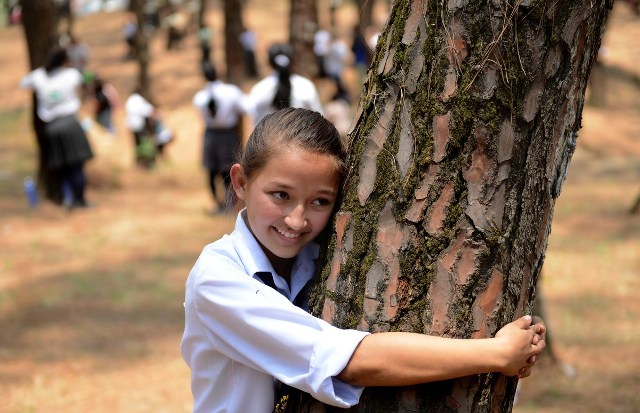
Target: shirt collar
[(255, 260)]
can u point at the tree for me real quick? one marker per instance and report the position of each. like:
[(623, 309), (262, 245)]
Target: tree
[(365, 12), (66, 14), (202, 11), (303, 25), (233, 49), (40, 23), (636, 206), (141, 48), (461, 143)]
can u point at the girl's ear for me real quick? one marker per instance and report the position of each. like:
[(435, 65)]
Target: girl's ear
[(238, 180)]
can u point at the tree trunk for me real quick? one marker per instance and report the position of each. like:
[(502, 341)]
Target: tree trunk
[(636, 206), (233, 49), (365, 13), (303, 25), (142, 50), (40, 23), (461, 144), (70, 17), (202, 10)]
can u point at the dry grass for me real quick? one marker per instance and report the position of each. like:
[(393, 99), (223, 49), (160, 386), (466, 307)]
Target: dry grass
[(91, 302)]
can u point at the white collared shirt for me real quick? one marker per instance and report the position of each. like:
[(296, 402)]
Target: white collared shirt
[(240, 334), (303, 95), (230, 104)]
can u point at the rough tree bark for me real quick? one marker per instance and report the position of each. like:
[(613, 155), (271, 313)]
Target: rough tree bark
[(40, 24), (467, 123), (303, 25), (233, 49)]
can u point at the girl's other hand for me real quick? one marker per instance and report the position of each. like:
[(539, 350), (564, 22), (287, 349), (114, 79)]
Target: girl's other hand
[(522, 343)]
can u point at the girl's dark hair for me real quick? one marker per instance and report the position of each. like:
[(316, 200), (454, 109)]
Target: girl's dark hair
[(57, 58), (280, 60), (98, 83), (209, 72), (292, 127)]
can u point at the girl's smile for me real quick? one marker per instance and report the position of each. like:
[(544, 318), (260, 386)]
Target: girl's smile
[(289, 201)]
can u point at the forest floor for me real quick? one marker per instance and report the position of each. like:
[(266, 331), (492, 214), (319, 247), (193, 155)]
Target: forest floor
[(91, 309)]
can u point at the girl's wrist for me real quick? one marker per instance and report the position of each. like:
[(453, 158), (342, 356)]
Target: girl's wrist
[(497, 355)]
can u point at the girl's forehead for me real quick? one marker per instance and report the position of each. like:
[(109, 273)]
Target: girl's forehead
[(300, 162)]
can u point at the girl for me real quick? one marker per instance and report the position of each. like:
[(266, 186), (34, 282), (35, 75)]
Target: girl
[(282, 89), (243, 328), (221, 106), (65, 147), (138, 114)]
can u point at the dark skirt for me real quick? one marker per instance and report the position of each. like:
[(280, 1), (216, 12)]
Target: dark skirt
[(221, 147), (66, 144)]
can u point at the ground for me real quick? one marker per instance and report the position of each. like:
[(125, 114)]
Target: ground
[(91, 301)]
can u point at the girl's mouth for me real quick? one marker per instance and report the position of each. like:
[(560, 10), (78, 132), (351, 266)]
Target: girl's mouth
[(288, 234)]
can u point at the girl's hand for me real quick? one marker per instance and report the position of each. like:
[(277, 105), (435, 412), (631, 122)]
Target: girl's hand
[(522, 343)]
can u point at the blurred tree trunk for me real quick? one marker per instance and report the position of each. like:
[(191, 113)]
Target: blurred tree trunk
[(303, 25), (202, 11), (469, 119), (233, 49), (142, 49), (40, 23), (70, 16), (636, 206), (365, 13)]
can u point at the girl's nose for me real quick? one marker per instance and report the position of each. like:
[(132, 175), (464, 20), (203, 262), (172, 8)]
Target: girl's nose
[(296, 219)]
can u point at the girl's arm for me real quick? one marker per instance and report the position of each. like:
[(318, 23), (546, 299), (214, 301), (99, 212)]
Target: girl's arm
[(400, 359)]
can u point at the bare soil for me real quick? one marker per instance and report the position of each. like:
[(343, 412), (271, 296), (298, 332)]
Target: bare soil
[(91, 301)]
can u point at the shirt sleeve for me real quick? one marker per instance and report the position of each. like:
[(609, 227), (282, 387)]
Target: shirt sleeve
[(255, 325), (27, 81), (200, 99), (77, 78)]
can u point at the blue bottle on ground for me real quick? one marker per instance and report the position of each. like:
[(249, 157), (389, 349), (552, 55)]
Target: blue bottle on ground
[(31, 191)]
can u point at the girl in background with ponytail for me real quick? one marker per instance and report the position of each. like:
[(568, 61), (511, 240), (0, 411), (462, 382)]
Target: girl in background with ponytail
[(221, 106), (282, 88)]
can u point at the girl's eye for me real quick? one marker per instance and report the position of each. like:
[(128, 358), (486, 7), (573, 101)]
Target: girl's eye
[(280, 195), (321, 202)]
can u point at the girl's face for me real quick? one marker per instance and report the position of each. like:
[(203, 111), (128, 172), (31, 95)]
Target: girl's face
[(289, 201)]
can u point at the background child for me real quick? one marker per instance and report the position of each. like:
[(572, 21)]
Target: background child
[(282, 88), (66, 148), (221, 106), (243, 328)]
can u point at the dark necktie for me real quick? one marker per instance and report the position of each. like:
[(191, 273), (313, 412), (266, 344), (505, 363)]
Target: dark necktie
[(281, 390)]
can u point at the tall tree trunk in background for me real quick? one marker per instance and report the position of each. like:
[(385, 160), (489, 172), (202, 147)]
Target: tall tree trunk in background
[(233, 25), (469, 119), (70, 16), (303, 25), (40, 23), (636, 206), (142, 50), (202, 10), (365, 12)]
